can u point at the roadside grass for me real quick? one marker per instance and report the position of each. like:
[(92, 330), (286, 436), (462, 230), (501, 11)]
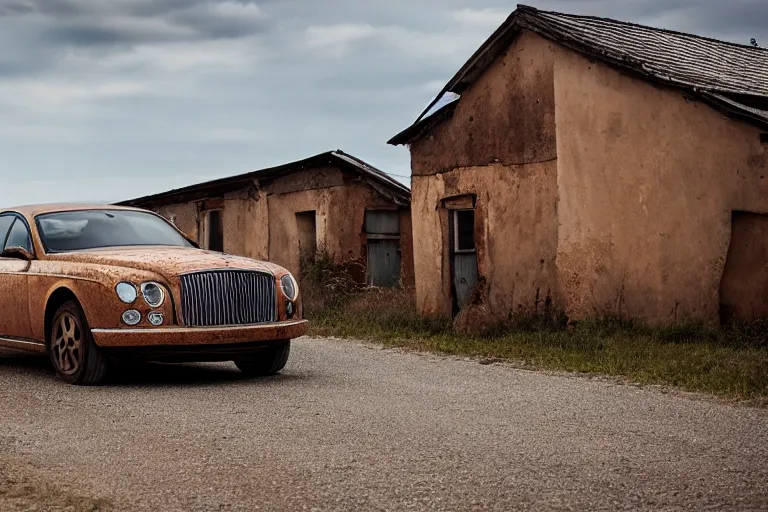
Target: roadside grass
[(730, 363)]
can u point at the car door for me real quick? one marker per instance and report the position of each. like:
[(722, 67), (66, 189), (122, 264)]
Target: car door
[(14, 292)]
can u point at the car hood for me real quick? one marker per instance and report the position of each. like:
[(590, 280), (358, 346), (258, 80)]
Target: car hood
[(167, 261)]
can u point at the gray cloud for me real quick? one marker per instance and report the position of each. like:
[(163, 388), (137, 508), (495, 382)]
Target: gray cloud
[(103, 100), (131, 22)]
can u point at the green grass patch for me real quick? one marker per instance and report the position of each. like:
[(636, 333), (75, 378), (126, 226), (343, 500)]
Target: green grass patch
[(730, 363)]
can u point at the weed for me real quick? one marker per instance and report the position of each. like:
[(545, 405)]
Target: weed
[(730, 362)]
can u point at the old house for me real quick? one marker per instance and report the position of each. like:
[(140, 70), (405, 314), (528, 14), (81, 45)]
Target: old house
[(597, 167), (331, 202)]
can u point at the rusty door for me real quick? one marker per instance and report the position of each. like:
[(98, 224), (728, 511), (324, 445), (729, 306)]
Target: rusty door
[(463, 256), (382, 229)]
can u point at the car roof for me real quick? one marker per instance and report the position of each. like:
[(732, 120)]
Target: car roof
[(37, 209)]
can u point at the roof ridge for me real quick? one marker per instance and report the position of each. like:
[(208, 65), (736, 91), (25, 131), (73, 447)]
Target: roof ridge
[(533, 10), (376, 170)]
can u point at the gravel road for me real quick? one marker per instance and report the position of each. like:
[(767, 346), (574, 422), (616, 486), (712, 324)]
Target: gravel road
[(354, 427)]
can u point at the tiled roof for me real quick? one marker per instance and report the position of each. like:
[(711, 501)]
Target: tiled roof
[(730, 76), (706, 64)]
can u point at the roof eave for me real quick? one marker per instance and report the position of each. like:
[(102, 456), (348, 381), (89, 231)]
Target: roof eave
[(418, 129), (502, 36)]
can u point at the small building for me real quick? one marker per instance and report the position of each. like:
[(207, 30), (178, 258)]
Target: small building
[(332, 203), (597, 167)]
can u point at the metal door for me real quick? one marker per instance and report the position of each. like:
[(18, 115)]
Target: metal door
[(463, 257), (382, 228), (464, 277), (383, 262)]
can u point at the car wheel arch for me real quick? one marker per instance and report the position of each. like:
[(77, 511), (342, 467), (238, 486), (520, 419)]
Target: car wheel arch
[(55, 301)]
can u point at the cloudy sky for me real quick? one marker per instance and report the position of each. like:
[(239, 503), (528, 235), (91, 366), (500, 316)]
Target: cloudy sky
[(102, 100)]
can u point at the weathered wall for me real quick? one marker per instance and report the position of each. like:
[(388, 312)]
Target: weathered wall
[(744, 287), (406, 248), (499, 145), (283, 233), (243, 217), (339, 222), (262, 224), (183, 215), (506, 117), (246, 228), (515, 235), (647, 182)]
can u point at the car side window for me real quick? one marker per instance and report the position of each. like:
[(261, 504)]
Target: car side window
[(5, 225), (19, 236)]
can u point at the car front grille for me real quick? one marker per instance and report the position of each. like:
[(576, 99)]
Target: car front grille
[(227, 297)]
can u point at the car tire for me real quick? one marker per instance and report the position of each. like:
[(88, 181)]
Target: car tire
[(268, 362), (71, 349)]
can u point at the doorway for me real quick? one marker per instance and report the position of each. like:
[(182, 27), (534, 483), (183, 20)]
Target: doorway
[(744, 286), (382, 228), (306, 228), (463, 256), (214, 231)]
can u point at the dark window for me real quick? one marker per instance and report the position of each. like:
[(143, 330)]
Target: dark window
[(19, 236), (215, 231), (92, 229), (5, 225), (464, 228), (764, 138)]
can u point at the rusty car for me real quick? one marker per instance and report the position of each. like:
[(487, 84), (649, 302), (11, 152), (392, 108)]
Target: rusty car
[(92, 284)]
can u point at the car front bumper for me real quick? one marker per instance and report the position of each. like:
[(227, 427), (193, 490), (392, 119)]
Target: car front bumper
[(199, 336)]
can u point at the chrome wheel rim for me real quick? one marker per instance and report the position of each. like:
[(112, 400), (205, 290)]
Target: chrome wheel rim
[(67, 344)]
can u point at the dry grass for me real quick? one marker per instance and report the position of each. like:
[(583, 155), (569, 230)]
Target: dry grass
[(732, 363)]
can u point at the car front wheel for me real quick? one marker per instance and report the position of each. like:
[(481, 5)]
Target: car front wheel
[(74, 355), (268, 362)]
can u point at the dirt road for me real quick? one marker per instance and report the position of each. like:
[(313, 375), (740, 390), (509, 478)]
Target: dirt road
[(354, 427)]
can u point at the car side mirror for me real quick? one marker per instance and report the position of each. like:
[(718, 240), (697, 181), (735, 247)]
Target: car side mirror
[(17, 252)]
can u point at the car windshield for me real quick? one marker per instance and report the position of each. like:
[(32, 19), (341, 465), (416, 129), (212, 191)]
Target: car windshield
[(93, 229)]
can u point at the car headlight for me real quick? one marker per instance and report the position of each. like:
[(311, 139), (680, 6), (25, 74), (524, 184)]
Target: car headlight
[(126, 292), (153, 294), (290, 288), (131, 317), (155, 318)]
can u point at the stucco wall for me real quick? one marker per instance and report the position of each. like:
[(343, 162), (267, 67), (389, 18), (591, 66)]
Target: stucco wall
[(515, 235), (246, 227), (283, 233), (506, 117), (744, 287), (262, 223), (183, 215), (340, 220), (244, 220), (406, 248), (499, 145), (647, 181)]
